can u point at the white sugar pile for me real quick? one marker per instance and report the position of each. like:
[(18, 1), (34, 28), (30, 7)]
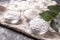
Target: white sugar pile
[(39, 26)]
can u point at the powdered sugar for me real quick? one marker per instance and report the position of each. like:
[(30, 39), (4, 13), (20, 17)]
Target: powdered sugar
[(39, 25)]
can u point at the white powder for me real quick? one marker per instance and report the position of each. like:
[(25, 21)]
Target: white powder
[(38, 25), (12, 16), (13, 6), (31, 13), (25, 4)]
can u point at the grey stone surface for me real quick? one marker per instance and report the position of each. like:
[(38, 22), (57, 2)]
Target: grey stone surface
[(6, 34)]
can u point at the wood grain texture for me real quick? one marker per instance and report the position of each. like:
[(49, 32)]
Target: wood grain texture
[(50, 35)]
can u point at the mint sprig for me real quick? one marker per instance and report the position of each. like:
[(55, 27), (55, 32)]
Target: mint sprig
[(52, 13), (54, 8), (53, 25), (46, 15)]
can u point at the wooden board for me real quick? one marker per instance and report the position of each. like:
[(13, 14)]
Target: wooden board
[(50, 35)]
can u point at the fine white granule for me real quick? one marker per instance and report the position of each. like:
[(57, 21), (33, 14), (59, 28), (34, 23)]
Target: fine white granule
[(12, 15), (27, 4), (31, 13), (13, 6), (38, 25), (24, 5)]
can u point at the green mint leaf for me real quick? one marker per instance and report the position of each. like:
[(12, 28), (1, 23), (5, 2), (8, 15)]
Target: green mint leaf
[(48, 15), (54, 8), (54, 26)]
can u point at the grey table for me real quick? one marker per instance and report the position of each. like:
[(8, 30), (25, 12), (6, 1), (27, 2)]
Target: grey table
[(7, 34)]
